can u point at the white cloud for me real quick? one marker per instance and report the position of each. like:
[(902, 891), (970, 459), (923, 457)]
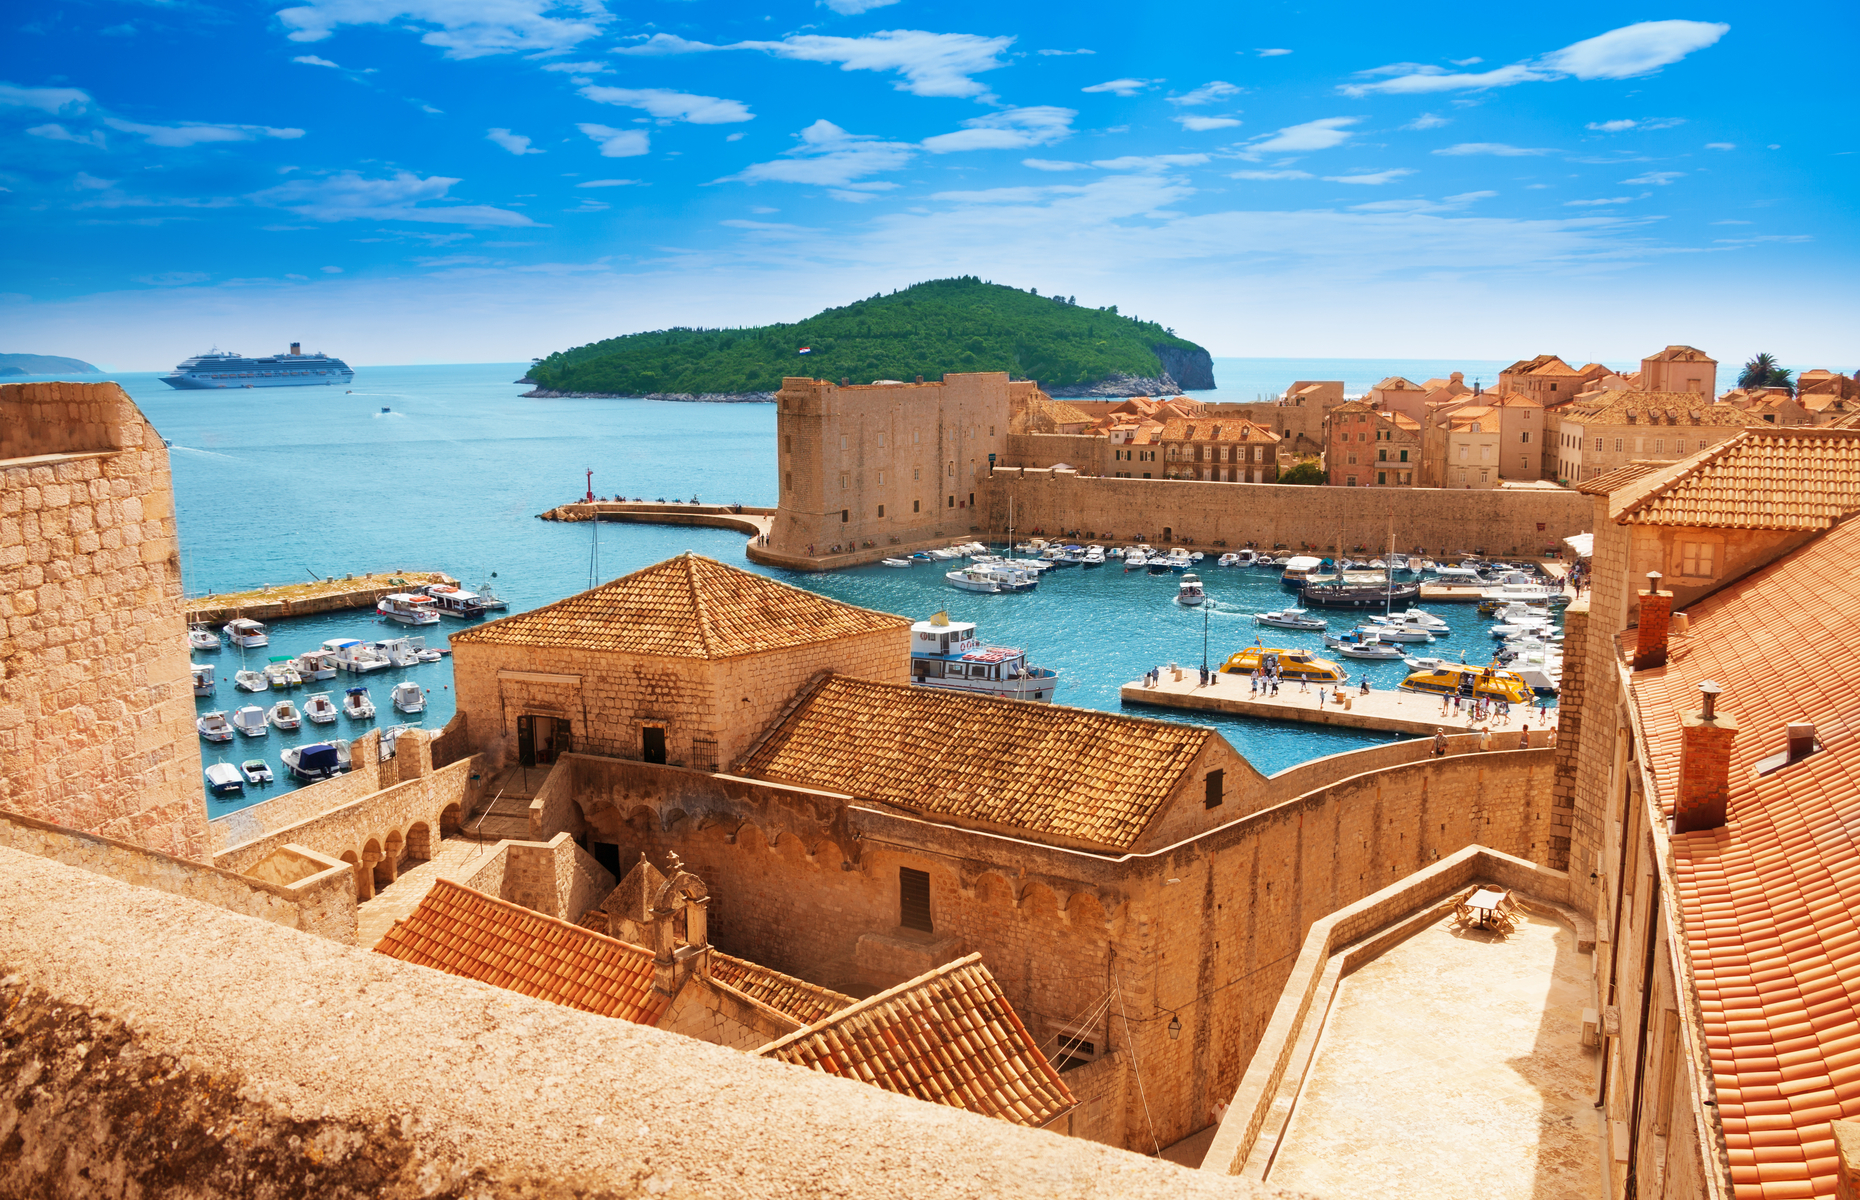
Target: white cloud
[(1272, 175), (311, 60), (1662, 178), (59, 101), (734, 137), (1051, 164), (1428, 121), (1009, 129), (516, 143), (1372, 178), (669, 106), (829, 156), (851, 197), (1623, 53), (91, 183), (618, 143), (852, 8), (1207, 93), (1597, 203), (932, 64), (1418, 205), (1060, 53), (173, 278), (607, 183), (349, 196), (1644, 123), (1272, 53), (331, 270), (1321, 134), (1501, 149), (1122, 87), (463, 28), (1149, 162), (1203, 124), (193, 133), (578, 68), (58, 133), (1721, 145)]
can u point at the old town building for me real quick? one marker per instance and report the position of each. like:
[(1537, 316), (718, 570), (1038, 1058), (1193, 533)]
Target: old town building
[(1217, 449), (1595, 436), (1367, 448)]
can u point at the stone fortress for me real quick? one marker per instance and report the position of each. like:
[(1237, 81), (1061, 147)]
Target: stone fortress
[(693, 843)]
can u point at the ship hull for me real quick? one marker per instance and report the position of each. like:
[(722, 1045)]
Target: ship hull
[(187, 384)]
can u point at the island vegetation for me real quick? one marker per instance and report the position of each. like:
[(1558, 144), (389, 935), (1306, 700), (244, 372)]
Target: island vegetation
[(44, 364), (945, 325)]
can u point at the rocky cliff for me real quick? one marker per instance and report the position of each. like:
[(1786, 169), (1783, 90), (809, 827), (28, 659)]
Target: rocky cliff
[(1191, 369)]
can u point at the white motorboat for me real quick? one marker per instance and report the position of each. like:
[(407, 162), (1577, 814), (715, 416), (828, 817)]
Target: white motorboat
[(199, 637), (1459, 575), (319, 708), (355, 655), (214, 727), (223, 780), (943, 555), (203, 678), (316, 664), (1390, 632), (488, 597), (358, 705), (399, 652), (1414, 618), (282, 672), (257, 771), (317, 760), (250, 721), (424, 652), (1297, 567), (1290, 618), (1356, 645), (1012, 576), (1093, 557), (285, 716), (246, 634), (408, 697), (1518, 628), (1180, 559), (456, 601), (1229, 559), (1541, 671), (1135, 560), (1196, 556), (408, 609), (251, 681), (947, 654), (975, 579), (896, 562), (1189, 592), (1517, 586)]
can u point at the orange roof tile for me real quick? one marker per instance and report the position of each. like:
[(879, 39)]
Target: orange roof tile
[(1215, 429), (1763, 478), (1395, 383), (1620, 477), (805, 1002), (949, 1037), (1652, 408), (1553, 366), (1681, 354), (465, 932), (1771, 901), (1510, 400), (685, 607), (1072, 772)]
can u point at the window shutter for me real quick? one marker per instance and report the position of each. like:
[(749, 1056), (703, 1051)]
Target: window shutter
[(914, 899)]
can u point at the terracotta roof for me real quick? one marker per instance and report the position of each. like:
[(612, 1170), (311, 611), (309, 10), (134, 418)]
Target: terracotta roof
[(1652, 408), (1077, 773), (1763, 478), (1524, 366), (1620, 477), (1215, 429), (1771, 901), (805, 1002), (1509, 400), (685, 607), (464, 932), (1680, 354), (1395, 383), (949, 1037), (1402, 421), (1464, 418), (1553, 366)]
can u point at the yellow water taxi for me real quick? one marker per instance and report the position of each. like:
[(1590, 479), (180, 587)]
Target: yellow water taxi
[(1289, 664), (1470, 682)]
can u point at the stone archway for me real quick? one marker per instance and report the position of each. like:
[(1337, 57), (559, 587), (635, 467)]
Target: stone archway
[(419, 842)]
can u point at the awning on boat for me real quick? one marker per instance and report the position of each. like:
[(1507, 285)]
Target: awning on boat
[(1583, 544)]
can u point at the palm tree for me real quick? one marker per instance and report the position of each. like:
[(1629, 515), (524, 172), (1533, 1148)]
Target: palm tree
[(1762, 372)]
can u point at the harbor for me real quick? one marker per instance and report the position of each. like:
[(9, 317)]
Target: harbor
[(1407, 713), (310, 597)]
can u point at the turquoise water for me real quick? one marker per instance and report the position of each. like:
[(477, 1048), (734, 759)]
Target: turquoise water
[(273, 486)]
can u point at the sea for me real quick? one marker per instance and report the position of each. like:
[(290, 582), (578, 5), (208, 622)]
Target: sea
[(446, 468)]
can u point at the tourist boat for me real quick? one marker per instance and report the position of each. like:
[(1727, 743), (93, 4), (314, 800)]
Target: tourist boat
[(203, 678), (456, 601), (319, 708), (1290, 618), (488, 599), (1469, 682), (199, 637), (354, 655), (1456, 575), (1414, 618), (281, 672), (405, 651), (947, 654), (1189, 592), (1360, 595), (257, 771), (896, 562), (285, 716), (316, 664), (1358, 644), (975, 579), (1295, 665), (251, 681), (250, 721), (245, 633), (1296, 568), (358, 705), (317, 760), (214, 727), (408, 698), (408, 609), (223, 780)]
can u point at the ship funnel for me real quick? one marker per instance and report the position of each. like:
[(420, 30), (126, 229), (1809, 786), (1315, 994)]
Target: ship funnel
[(297, 347)]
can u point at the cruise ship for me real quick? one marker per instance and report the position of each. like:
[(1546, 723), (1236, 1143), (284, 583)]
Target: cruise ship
[(230, 369)]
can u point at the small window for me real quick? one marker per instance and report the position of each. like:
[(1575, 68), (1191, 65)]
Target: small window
[(842, 441), (1598, 443), (845, 515), (1526, 436), (914, 899), (1697, 559), (881, 441), (787, 442), (881, 510), (789, 479), (1382, 455), (1617, 444), (913, 437), (1659, 445), (916, 474), (917, 506), (1382, 478), (1404, 456), (952, 502), (652, 743)]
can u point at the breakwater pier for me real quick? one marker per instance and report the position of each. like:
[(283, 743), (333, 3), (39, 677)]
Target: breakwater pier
[(1387, 710), (310, 597), (742, 518)]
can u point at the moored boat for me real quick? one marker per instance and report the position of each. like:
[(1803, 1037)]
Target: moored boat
[(1358, 644), (355, 655), (257, 771), (246, 633), (1296, 568), (317, 760), (281, 672), (947, 654), (1470, 682), (250, 721), (975, 579), (199, 637), (455, 601), (1350, 595), (896, 562), (1290, 618), (407, 697), (1296, 665), (358, 705), (319, 708), (285, 716), (214, 727), (316, 664), (223, 780), (203, 678), (251, 681), (408, 609)]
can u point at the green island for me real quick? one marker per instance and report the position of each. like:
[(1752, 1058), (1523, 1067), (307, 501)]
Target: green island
[(944, 325)]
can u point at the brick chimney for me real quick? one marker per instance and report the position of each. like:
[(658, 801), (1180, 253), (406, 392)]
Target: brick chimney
[(1656, 618), (1704, 764)]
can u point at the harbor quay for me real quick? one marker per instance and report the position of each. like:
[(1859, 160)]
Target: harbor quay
[(310, 597), (1345, 707)]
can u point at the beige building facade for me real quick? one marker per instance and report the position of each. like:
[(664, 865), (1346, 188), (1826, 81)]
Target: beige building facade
[(1367, 448), (1599, 435)]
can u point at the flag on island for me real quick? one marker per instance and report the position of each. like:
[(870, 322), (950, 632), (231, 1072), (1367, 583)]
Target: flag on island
[(805, 350)]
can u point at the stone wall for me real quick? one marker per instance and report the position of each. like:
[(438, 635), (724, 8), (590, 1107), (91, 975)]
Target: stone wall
[(96, 701), (319, 898), (1101, 1089), (719, 1014), (1435, 520), (257, 1058), (556, 878)]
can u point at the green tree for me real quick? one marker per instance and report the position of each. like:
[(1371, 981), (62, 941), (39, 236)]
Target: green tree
[(1306, 472), (1762, 372)]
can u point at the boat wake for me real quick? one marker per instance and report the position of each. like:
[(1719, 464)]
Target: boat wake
[(206, 453)]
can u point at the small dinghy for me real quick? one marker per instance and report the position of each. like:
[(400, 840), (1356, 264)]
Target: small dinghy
[(223, 780), (319, 708), (282, 672), (284, 715), (896, 562), (257, 771), (251, 681), (357, 705), (203, 679), (214, 727), (250, 721), (199, 637), (408, 697), (318, 760)]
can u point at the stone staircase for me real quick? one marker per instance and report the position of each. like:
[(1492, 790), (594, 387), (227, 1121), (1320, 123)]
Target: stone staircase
[(504, 810)]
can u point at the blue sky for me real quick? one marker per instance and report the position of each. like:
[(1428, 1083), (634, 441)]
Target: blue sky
[(484, 180)]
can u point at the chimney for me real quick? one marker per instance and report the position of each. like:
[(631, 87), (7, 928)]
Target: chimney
[(1704, 764), (920, 379), (1801, 740), (1656, 616), (297, 347)]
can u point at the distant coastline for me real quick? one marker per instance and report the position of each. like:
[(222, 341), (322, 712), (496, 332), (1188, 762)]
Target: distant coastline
[(43, 364), (541, 393)]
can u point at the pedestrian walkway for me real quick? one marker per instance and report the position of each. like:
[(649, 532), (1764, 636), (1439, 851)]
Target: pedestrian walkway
[(1399, 712), (457, 858)]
